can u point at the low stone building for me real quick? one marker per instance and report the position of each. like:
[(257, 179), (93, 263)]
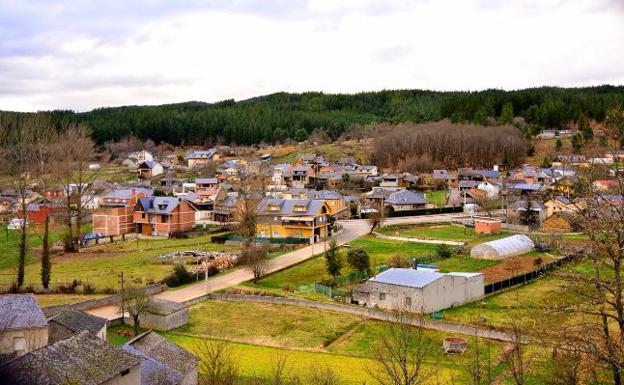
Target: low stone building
[(23, 326), (71, 321), (419, 290), (163, 362), (559, 222), (79, 359), (164, 315)]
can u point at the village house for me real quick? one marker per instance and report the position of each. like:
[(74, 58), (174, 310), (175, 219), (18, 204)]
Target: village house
[(226, 206), (391, 181), (206, 186), (335, 201), (299, 176), (296, 218), (144, 156), (559, 203), (200, 158), (560, 222), (421, 291), (79, 359), (115, 213), (516, 211), (163, 362), (70, 322), (23, 326), (149, 169), (39, 210), (163, 216), (396, 199)]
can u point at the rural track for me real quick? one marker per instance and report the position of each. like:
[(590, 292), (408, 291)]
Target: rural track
[(351, 229)]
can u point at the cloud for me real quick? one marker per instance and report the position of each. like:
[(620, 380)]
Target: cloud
[(86, 54)]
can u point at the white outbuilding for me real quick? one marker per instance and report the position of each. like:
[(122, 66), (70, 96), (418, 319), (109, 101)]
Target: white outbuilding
[(423, 291), (503, 248)]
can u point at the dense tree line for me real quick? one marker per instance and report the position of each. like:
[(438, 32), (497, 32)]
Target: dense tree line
[(427, 146), (279, 116)]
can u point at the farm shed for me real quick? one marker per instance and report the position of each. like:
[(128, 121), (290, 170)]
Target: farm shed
[(487, 225), (503, 248), (419, 290), (164, 315)]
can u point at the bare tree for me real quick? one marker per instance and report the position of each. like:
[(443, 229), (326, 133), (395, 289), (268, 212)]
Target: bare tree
[(137, 303), (74, 151), (256, 260), (400, 353), (217, 362), (322, 375), (23, 141), (515, 355)]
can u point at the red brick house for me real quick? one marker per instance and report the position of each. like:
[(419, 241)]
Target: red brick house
[(37, 211), (163, 215), (114, 215)]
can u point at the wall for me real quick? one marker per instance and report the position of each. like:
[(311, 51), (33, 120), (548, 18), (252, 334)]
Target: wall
[(57, 332), (35, 339), (163, 322), (132, 378), (395, 297)]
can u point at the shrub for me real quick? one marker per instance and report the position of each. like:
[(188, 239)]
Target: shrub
[(178, 277), (398, 260), (444, 251), (359, 260), (178, 235), (538, 261), (88, 289)]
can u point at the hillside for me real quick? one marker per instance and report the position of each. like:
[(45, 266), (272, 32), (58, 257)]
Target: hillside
[(273, 118)]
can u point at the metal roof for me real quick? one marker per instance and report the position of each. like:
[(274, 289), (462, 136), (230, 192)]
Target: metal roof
[(407, 277)]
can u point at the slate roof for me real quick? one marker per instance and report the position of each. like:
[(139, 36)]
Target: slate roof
[(159, 205), (406, 197), (77, 321), (163, 360), (21, 311), (82, 358), (468, 183), (149, 164), (165, 307), (287, 206), (206, 181), (127, 193), (407, 277), (195, 154)]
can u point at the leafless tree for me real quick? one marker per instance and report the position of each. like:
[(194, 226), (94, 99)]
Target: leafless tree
[(401, 352), (217, 362), (24, 141), (74, 151), (256, 260), (322, 375), (515, 355), (137, 303)]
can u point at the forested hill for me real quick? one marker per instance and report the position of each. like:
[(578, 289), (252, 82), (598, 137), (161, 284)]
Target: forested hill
[(279, 116)]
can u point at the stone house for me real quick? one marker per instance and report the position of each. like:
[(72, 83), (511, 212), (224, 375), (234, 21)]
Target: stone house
[(79, 359), (23, 325), (163, 362), (72, 321), (164, 315), (149, 169), (559, 222), (421, 291)]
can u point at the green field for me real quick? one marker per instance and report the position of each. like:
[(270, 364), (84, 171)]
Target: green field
[(437, 197), (101, 266), (62, 299), (307, 337), (441, 232)]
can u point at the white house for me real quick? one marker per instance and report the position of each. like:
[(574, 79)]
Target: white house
[(491, 190), (421, 291)]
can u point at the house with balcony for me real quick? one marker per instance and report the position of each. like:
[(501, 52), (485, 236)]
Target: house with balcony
[(200, 158), (206, 186), (115, 213), (163, 216), (303, 219)]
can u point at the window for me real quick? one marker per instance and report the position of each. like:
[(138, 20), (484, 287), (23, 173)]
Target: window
[(19, 344), (125, 372), (408, 301), (382, 296)]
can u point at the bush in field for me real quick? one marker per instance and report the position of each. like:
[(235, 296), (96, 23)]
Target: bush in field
[(444, 251), (359, 260), (398, 260), (179, 276)]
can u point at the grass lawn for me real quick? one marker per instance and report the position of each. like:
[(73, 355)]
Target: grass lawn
[(314, 270), (101, 266), (464, 263), (45, 300), (442, 232), (268, 324), (308, 338), (437, 197)]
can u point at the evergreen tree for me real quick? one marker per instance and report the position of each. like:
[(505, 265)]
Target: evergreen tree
[(507, 113), (333, 262)]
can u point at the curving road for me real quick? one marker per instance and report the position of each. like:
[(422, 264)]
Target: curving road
[(351, 229)]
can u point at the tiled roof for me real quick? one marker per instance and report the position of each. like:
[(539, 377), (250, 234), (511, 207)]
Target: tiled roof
[(20, 311), (78, 321), (82, 359)]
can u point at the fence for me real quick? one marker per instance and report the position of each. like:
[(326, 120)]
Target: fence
[(329, 291), (273, 240), (417, 212), (529, 276)]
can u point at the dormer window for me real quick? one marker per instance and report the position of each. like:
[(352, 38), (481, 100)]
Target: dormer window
[(299, 208), (274, 207)]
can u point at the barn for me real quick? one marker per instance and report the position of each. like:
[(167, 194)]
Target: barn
[(503, 248), (419, 290)]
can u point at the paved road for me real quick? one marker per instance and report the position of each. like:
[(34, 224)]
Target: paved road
[(352, 229)]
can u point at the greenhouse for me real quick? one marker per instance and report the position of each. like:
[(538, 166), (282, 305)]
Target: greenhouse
[(503, 248)]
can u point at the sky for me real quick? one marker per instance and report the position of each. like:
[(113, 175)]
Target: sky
[(84, 54)]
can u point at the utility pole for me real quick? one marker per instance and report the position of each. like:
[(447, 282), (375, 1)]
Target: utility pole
[(123, 309)]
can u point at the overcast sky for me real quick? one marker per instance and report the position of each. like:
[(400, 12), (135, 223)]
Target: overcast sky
[(81, 54)]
